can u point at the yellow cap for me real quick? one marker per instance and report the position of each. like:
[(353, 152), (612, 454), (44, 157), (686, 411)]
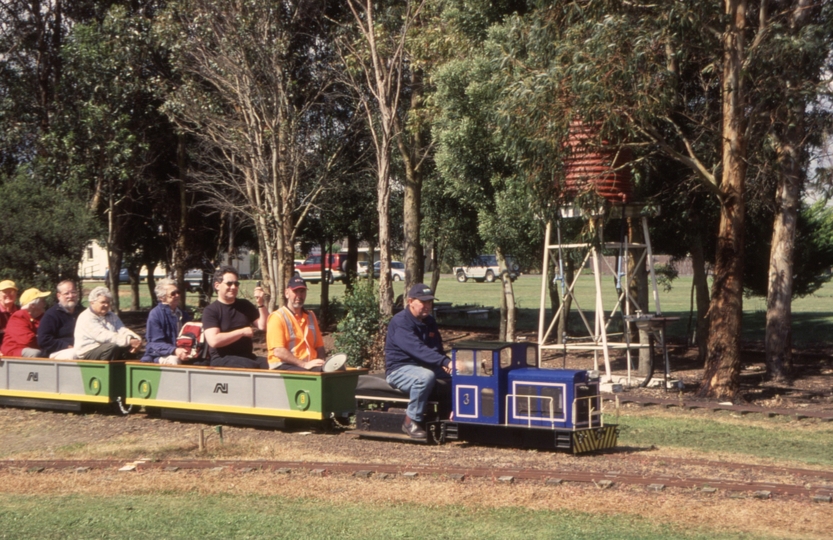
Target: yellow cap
[(7, 284), (30, 294)]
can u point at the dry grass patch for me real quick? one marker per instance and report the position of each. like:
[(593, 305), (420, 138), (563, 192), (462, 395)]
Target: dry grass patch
[(794, 518)]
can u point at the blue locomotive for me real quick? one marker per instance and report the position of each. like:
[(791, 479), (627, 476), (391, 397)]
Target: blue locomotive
[(497, 395)]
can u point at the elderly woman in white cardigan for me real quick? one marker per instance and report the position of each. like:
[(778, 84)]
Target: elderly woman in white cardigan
[(100, 334)]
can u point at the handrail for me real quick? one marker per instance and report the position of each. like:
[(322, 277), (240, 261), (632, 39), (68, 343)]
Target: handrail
[(528, 407), (591, 412)]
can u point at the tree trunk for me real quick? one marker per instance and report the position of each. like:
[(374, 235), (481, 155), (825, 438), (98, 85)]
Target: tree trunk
[(778, 338), (508, 309), (412, 204), (180, 254), (114, 260), (722, 370), (554, 291), (133, 277), (435, 267), (639, 291), (383, 209), (326, 272), (700, 285), (563, 325), (151, 282), (353, 261)]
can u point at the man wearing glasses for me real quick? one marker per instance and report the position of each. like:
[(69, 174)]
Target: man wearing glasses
[(164, 323), (57, 327), (227, 323)]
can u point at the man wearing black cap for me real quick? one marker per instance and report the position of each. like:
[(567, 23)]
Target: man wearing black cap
[(293, 338), (414, 355)]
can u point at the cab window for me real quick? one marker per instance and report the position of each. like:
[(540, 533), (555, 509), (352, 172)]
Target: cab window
[(464, 362)]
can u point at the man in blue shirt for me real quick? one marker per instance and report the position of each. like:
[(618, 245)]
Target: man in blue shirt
[(414, 355), (164, 323)]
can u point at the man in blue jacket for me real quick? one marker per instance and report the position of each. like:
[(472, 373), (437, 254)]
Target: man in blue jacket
[(414, 355), (164, 323)]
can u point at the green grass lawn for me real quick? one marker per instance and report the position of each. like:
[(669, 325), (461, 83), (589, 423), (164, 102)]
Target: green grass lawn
[(812, 315), (165, 515), (801, 441)]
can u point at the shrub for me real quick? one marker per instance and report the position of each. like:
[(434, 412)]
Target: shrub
[(362, 325)]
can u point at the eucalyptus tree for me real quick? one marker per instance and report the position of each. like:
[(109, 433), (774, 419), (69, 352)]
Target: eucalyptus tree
[(373, 49), (252, 85), (802, 37), (679, 78), (474, 154)]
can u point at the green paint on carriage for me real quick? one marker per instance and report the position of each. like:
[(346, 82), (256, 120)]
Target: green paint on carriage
[(85, 381), (242, 391), (103, 379)]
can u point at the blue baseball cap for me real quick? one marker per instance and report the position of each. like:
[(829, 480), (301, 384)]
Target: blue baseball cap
[(421, 292)]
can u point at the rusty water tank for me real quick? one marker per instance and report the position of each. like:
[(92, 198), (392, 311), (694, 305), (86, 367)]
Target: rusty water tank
[(593, 165)]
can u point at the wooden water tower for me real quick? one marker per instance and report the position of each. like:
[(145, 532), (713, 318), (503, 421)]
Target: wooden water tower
[(598, 172)]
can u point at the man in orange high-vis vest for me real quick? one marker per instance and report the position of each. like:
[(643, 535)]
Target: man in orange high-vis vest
[(293, 338)]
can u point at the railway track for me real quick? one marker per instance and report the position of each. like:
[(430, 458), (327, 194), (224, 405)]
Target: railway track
[(818, 486)]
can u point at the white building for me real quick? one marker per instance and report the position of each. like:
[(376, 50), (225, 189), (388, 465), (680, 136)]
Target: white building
[(94, 263)]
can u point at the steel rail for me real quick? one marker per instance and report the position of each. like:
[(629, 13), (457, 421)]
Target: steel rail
[(550, 476)]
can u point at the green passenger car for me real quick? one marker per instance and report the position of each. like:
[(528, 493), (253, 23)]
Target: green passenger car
[(242, 392), (60, 384)]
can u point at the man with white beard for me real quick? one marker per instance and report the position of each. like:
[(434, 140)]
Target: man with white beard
[(57, 327)]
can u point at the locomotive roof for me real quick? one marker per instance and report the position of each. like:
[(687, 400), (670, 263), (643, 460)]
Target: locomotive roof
[(484, 345)]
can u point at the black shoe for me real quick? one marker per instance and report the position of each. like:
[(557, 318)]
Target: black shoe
[(412, 429)]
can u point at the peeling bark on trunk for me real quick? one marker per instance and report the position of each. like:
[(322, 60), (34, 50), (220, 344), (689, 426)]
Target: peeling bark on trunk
[(779, 292), (721, 375), (791, 162)]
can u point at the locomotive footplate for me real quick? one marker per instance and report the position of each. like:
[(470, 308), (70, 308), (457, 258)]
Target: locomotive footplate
[(388, 425)]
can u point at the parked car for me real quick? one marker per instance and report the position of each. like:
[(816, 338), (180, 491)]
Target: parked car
[(193, 280), (485, 268), (310, 270), (397, 270), (123, 277)]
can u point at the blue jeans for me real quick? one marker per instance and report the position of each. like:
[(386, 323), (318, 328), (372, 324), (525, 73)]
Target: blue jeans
[(417, 382)]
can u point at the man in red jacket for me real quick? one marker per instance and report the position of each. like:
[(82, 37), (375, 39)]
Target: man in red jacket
[(21, 338), (8, 296)]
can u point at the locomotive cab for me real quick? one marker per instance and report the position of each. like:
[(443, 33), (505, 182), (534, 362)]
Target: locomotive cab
[(480, 371)]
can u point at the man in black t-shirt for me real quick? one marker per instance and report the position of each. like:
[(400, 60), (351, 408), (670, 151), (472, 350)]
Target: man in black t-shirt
[(227, 323)]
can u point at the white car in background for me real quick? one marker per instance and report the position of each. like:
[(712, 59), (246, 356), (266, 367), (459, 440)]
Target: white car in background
[(485, 268), (397, 270)]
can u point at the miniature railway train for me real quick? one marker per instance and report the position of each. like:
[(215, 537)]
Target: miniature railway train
[(496, 395)]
